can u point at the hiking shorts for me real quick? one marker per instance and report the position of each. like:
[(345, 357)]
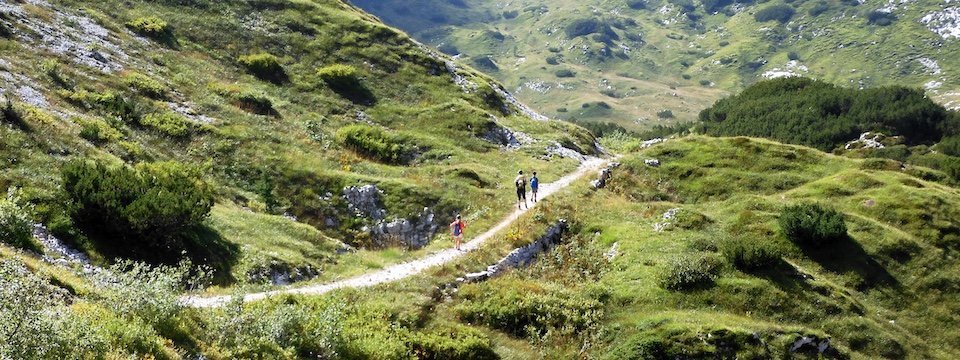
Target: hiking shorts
[(522, 193)]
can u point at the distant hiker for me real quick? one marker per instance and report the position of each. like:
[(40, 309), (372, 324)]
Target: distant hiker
[(521, 184), (456, 229), (534, 185)]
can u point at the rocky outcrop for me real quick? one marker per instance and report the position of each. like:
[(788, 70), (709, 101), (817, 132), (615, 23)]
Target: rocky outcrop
[(603, 177), (652, 162), (815, 346), (556, 149), (873, 140), (651, 142), (364, 201), (281, 274), (413, 233), (502, 136)]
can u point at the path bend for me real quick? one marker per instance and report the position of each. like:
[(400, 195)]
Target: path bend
[(407, 269)]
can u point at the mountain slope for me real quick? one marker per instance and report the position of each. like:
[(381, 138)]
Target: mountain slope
[(642, 57), (280, 107)]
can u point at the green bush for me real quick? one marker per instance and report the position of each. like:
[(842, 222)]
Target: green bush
[(145, 85), (690, 271), (453, 342), (812, 224), (167, 123), (525, 309), (340, 77), (779, 12), (822, 115), (950, 145), (565, 73), (264, 66), (750, 254), (665, 114), (144, 211), (16, 226), (107, 103), (372, 142), (152, 27), (255, 103), (97, 131)]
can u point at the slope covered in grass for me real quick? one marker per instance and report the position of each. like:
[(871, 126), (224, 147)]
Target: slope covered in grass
[(254, 100), (717, 277)]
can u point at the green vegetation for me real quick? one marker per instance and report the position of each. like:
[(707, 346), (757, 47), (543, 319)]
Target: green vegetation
[(16, 226), (145, 213), (813, 225), (688, 272), (815, 113), (167, 123), (145, 85), (778, 12), (681, 54), (373, 142), (152, 27), (264, 66)]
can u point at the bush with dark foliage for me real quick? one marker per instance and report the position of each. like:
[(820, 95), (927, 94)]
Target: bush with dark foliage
[(813, 225)]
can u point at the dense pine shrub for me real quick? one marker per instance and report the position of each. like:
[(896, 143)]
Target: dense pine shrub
[(145, 85), (812, 225), (143, 212), (264, 66), (167, 123), (818, 114), (340, 76), (372, 142), (881, 18), (565, 73), (779, 12), (152, 27), (750, 254)]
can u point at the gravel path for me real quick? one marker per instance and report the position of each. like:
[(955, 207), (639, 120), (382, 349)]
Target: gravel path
[(404, 270)]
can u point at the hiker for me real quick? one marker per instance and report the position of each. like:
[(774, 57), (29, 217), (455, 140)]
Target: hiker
[(521, 184), (534, 185), (456, 229)]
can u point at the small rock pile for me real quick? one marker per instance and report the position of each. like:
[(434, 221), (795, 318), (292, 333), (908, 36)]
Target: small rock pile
[(604, 176), (416, 232)]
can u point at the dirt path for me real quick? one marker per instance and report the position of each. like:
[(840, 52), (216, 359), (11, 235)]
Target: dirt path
[(404, 270)]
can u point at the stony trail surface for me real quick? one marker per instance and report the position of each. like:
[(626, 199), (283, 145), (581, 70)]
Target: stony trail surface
[(404, 270)]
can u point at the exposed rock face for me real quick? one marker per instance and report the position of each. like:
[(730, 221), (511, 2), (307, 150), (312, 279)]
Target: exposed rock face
[(523, 256), (604, 176), (814, 345), (502, 136), (558, 150), (281, 274), (652, 162), (415, 233), (364, 201), (872, 140), (651, 142)]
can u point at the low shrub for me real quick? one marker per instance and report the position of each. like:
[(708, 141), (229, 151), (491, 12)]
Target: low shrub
[(525, 309), (881, 18), (340, 76), (665, 114), (812, 224), (97, 131), (565, 73), (690, 271), (372, 142), (453, 342), (167, 123), (145, 85), (16, 226), (107, 103), (152, 27), (264, 66), (144, 212), (779, 12), (750, 254)]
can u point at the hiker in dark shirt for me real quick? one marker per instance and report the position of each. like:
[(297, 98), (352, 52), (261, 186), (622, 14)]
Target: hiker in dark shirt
[(521, 183), (534, 185)]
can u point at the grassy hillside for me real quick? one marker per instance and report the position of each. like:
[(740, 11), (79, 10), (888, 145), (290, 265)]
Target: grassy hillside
[(718, 277), (641, 57), (275, 106)]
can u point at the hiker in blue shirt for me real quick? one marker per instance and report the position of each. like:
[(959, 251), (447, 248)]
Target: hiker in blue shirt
[(534, 185)]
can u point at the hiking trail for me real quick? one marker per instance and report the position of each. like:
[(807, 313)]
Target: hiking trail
[(407, 269)]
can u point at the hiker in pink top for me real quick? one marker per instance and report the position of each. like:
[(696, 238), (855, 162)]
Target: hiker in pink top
[(457, 228)]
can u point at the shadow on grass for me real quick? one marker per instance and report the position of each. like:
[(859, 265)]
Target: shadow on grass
[(357, 93), (205, 246), (845, 256)]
